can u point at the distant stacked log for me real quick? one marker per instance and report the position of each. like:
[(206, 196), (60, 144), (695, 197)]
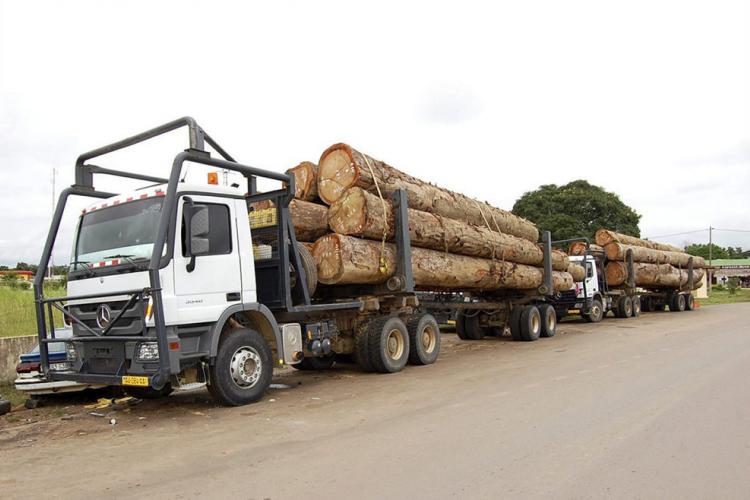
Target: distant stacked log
[(342, 167), (457, 242), (654, 264), (579, 248)]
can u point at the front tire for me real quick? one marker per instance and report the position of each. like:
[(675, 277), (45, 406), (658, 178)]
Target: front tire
[(595, 312), (243, 368)]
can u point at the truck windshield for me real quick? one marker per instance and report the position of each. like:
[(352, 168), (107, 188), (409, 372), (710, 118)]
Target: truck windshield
[(126, 232)]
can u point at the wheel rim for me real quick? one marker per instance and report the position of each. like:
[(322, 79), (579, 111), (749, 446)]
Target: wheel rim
[(550, 322), (681, 302), (428, 339), (535, 323), (395, 344), (595, 311), (245, 367)]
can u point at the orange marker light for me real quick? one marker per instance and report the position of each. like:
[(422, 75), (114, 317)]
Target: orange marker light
[(213, 178)]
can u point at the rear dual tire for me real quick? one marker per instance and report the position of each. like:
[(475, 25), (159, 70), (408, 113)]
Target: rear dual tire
[(677, 302)]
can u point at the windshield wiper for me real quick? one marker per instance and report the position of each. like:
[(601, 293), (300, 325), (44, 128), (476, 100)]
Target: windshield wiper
[(86, 266)]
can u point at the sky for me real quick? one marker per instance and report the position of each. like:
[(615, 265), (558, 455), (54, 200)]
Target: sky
[(649, 99)]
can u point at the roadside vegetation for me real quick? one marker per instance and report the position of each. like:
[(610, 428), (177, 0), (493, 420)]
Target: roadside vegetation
[(17, 315), (722, 295)]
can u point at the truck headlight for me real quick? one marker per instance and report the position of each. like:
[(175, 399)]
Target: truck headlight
[(71, 352), (147, 351)]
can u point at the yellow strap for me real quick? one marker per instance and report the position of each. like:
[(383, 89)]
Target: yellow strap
[(383, 268)]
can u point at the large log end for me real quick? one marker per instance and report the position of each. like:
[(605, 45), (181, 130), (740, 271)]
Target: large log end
[(336, 172), (347, 215)]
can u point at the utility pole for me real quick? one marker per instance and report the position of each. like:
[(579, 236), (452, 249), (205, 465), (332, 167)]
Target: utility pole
[(710, 244)]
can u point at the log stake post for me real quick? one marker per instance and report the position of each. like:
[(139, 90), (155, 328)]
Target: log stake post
[(402, 279), (547, 288), (630, 281)]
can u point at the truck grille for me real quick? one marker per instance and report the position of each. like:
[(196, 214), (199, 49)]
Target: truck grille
[(131, 323)]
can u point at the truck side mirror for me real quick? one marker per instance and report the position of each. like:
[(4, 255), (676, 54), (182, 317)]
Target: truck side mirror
[(197, 229)]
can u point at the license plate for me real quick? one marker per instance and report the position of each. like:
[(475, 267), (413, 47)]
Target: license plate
[(135, 380)]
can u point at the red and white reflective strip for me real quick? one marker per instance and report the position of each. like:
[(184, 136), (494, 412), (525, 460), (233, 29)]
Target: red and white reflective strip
[(152, 193), (105, 263)]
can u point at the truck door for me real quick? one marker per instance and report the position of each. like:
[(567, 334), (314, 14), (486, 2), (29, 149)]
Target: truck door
[(215, 282)]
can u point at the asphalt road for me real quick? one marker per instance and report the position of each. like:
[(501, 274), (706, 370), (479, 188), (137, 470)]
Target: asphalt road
[(657, 407)]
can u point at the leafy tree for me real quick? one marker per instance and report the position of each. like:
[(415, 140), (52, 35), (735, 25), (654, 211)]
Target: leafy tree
[(577, 209), (701, 249), (23, 266)]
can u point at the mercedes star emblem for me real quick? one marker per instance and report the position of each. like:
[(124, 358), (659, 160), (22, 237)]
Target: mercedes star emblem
[(103, 316)]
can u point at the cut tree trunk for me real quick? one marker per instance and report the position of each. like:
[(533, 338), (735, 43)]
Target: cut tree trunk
[(360, 213), (310, 220), (577, 272), (305, 181), (651, 275), (605, 236), (617, 251), (342, 167), (348, 260), (579, 248)]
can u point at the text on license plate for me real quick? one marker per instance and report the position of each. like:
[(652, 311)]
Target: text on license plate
[(135, 380)]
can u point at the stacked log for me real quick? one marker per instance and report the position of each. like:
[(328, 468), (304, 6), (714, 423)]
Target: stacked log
[(360, 213), (345, 260), (577, 272), (310, 220), (305, 181), (342, 167), (655, 265), (652, 275), (578, 248)]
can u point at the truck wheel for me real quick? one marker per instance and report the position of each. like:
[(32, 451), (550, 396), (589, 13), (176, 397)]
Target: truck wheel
[(311, 270), (531, 324), (645, 304), (689, 302), (471, 328), (515, 323), (387, 344), (636, 306), (316, 364), (549, 320), (4, 406), (149, 392), (361, 354), (624, 307), (243, 368), (424, 339), (596, 312), (677, 303), (460, 326)]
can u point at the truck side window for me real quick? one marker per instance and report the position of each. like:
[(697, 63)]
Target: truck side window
[(589, 270), (219, 229)]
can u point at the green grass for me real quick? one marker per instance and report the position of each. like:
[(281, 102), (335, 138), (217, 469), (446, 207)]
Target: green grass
[(723, 297), (17, 316), (9, 392)]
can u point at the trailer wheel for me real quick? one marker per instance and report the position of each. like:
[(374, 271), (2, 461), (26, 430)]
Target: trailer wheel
[(149, 392), (645, 304), (596, 312), (689, 302), (636, 306), (243, 368), (470, 326), (677, 303), (624, 307), (424, 339), (387, 344), (549, 320), (531, 324), (316, 364), (515, 323)]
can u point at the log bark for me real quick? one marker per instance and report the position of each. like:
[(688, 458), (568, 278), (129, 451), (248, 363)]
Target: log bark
[(617, 251), (605, 236), (310, 220), (360, 213), (342, 167), (348, 260), (305, 181), (577, 272), (579, 248), (651, 275)]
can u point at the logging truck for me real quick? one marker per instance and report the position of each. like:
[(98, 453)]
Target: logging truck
[(610, 277)]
